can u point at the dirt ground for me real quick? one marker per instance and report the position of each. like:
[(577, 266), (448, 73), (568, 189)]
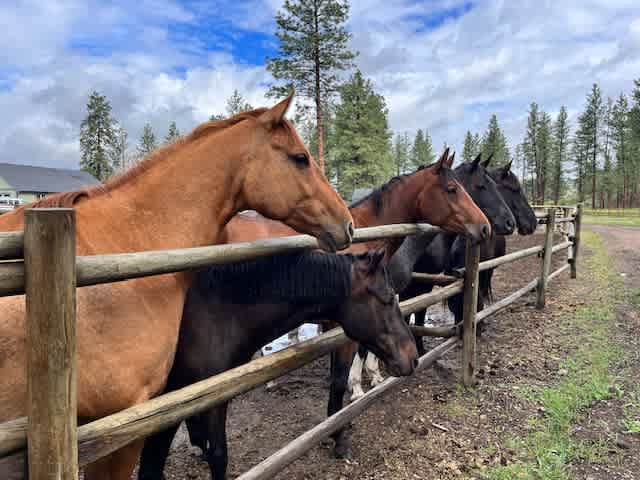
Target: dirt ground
[(429, 428)]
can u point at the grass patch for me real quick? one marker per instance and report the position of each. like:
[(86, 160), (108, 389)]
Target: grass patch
[(550, 448), (607, 220)]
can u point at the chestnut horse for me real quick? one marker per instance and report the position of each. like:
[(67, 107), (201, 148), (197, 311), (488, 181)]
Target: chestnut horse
[(182, 196), (432, 194)]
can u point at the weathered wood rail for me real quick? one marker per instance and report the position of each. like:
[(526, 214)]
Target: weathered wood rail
[(57, 448)]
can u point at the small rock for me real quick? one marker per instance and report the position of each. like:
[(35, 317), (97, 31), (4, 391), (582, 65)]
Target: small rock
[(562, 372), (483, 418), (622, 443)]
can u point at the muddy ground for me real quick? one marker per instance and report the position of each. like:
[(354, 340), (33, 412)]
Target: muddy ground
[(429, 428)]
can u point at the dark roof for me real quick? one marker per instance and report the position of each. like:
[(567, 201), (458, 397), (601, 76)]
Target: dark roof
[(360, 193), (25, 178)]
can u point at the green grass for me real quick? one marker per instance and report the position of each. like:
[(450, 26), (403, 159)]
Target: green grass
[(550, 448), (607, 220)]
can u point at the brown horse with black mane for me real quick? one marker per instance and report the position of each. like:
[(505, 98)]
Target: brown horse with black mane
[(182, 196)]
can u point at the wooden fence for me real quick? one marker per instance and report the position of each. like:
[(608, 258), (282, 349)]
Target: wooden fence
[(56, 447)]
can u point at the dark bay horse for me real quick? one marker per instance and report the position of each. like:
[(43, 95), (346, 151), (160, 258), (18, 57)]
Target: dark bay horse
[(181, 196), (432, 250), (231, 311)]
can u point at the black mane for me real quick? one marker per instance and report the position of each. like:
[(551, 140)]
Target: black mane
[(376, 196), (300, 277)]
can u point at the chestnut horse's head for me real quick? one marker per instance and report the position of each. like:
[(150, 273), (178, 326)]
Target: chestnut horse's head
[(484, 191), (278, 161), (372, 317), (444, 202), (510, 189)]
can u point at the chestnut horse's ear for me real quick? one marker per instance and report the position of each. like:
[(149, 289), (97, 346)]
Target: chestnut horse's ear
[(451, 159), (275, 115), (485, 164), (442, 161), (476, 162)]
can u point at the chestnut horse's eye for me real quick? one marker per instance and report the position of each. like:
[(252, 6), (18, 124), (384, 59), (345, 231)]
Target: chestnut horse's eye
[(300, 159), (452, 189)]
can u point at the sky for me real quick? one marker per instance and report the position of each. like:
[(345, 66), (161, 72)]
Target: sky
[(443, 65)]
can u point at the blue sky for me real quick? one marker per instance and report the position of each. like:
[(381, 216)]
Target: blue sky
[(443, 65)]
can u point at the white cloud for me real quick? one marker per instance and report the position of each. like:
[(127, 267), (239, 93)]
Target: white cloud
[(495, 58)]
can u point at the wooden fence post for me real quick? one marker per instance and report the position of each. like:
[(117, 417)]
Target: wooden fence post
[(50, 285), (576, 241), (472, 259), (545, 263)]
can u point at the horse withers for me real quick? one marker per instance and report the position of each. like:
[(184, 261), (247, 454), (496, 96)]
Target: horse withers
[(231, 311)]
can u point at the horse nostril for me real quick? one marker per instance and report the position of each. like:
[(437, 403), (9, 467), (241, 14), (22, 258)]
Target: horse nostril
[(510, 224), (350, 230), (484, 231)]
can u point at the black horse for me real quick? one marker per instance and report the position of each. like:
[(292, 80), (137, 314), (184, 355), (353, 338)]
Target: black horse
[(494, 246), (447, 251), (231, 311)]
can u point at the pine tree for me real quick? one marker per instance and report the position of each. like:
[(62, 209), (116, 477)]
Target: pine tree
[(543, 155), (620, 137), (97, 137), (607, 187), (361, 135), (560, 153), (401, 154), (530, 147), (237, 104), (421, 151), (147, 142), (633, 170), (118, 149), (313, 51), (173, 134), (494, 142), (591, 127), (469, 150)]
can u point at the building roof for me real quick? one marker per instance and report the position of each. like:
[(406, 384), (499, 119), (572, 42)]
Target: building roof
[(358, 193), (26, 178)]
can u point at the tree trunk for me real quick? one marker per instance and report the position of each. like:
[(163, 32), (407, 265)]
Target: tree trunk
[(318, 99)]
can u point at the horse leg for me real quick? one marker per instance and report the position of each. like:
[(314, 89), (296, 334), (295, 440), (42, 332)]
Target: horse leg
[(372, 366), (217, 454), (197, 430), (354, 383), (155, 453), (117, 466), (419, 321), (341, 360)]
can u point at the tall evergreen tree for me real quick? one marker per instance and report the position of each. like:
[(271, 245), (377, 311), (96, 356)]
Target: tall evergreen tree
[(543, 156), (173, 134), (560, 152), (236, 104), (97, 137), (422, 150), (361, 136), (118, 149), (147, 142), (633, 170), (469, 149), (313, 51), (620, 137), (608, 181), (401, 154), (530, 146), (591, 126), (494, 142)]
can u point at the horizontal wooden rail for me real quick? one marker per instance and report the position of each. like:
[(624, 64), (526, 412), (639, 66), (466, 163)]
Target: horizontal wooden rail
[(511, 257), (559, 271), (561, 246), (11, 245), (298, 447), (96, 269), (433, 279), (442, 332), (414, 304), (565, 220)]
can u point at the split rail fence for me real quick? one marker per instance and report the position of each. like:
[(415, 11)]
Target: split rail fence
[(47, 444)]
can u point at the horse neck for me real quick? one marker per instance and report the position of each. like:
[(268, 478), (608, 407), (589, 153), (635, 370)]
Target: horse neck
[(181, 201), (399, 204)]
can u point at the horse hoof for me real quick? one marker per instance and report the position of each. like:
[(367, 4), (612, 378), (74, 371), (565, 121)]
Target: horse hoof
[(356, 394), (341, 450), (375, 381)]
